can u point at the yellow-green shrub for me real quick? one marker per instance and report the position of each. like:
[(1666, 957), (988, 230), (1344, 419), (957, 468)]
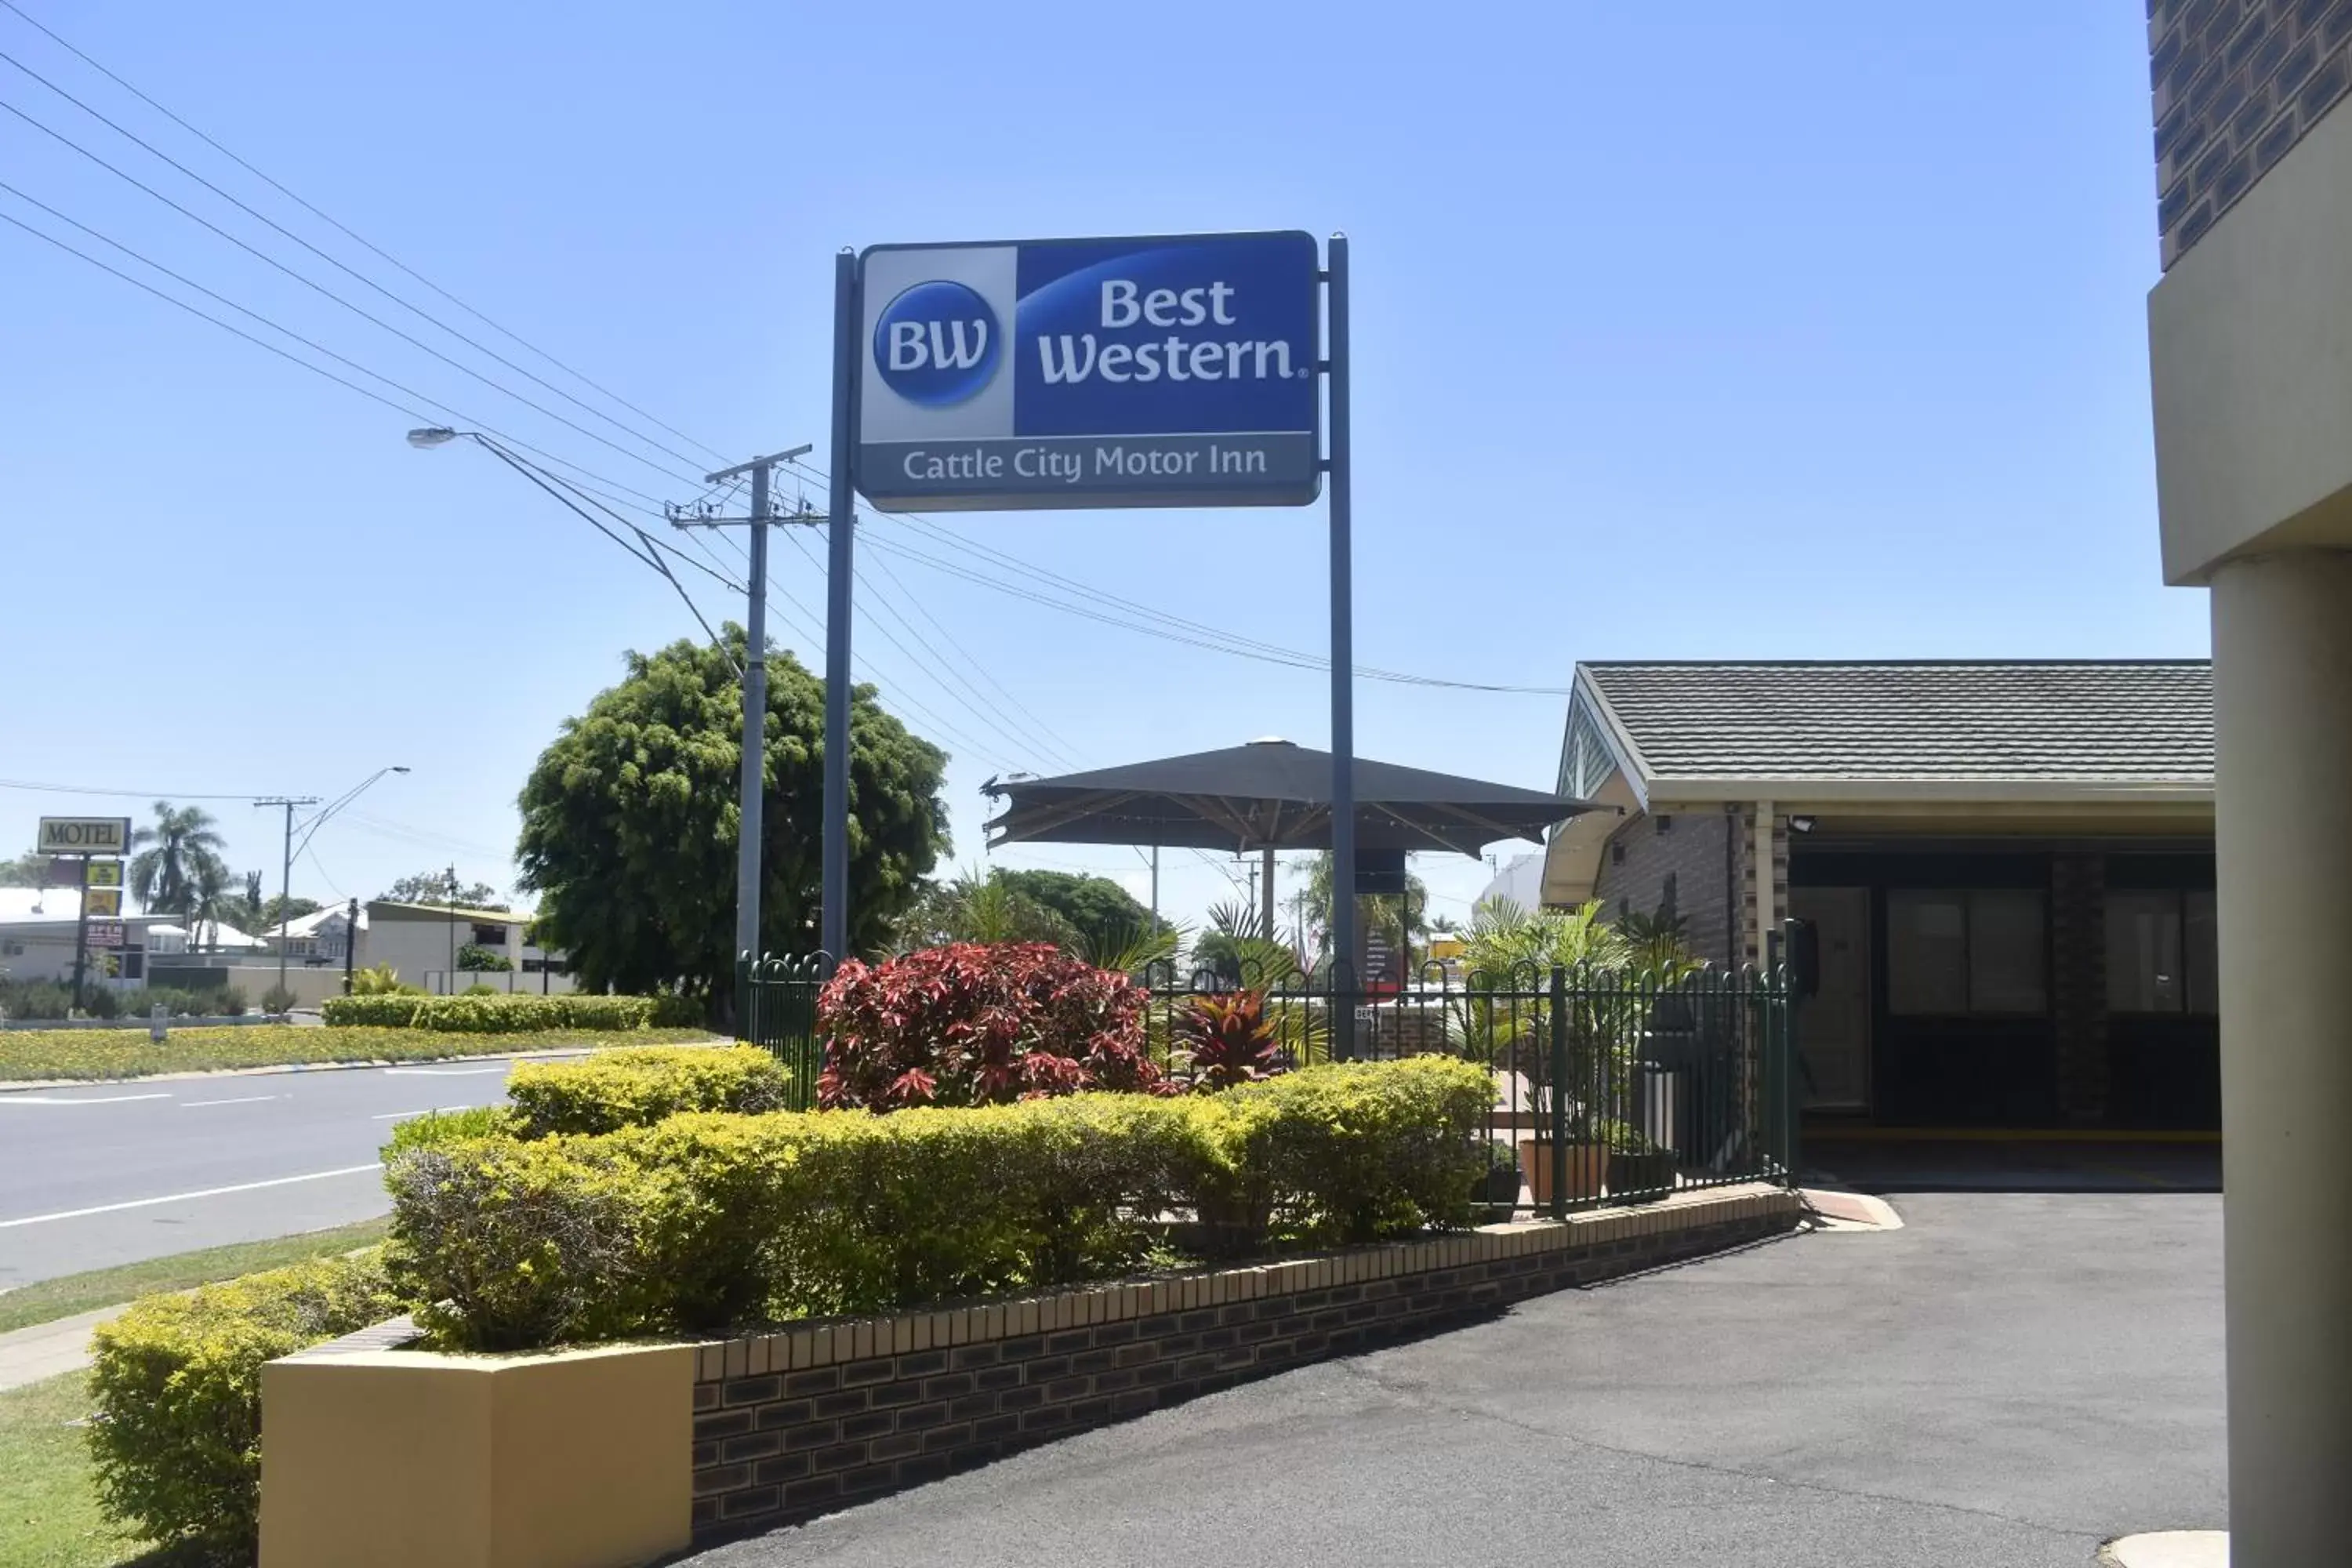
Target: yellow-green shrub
[(703, 1221), (177, 1382), (492, 1015), (528, 1243), (643, 1084), (1349, 1152), (435, 1128)]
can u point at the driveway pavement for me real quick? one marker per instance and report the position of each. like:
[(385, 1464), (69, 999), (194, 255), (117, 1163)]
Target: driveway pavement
[(2006, 1382), (102, 1173)]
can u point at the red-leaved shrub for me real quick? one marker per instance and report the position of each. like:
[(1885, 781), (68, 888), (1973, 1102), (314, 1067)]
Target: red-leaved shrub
[(1231, 1038), (980, 1024)]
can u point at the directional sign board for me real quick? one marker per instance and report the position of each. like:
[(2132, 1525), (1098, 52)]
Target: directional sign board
[(106, 933), (1174, 371), (102, 901), (84, 836)]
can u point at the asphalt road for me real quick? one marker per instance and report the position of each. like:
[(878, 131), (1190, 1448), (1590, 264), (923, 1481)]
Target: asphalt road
[(109, 1174), (2004, 1383)]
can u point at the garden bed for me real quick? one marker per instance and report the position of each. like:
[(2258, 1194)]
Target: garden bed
[(670, 1449)]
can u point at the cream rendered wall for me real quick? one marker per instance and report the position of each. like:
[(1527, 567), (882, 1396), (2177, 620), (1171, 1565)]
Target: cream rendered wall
[(2249, 349)]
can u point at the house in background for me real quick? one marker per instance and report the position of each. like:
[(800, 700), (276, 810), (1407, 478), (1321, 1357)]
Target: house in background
[(425, 944), (321, 937), (2009, 867)]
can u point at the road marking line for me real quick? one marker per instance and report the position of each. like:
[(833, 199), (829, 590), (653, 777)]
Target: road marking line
[(184, 1197), (241, 1100), (404, 1115), (440, 1072), (100, 1100)]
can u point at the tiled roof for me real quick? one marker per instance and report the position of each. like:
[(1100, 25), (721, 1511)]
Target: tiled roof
[(2057, 720)]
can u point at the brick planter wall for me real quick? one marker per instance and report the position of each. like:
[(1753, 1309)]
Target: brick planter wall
[(791, 1426)]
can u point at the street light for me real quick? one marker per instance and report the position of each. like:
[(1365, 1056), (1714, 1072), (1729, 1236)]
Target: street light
[(310, 830), (432, 436)]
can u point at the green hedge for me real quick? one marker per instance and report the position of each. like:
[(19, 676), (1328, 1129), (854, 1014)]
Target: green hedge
[(703, 1221), (434, 1129), (176, 1443), (492, 1014), (643, 1084)]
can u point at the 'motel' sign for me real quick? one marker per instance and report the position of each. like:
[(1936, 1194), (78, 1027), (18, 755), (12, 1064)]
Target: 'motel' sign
[(1179, 371)]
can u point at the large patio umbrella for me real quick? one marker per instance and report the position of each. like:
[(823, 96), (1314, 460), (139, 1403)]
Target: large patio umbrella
[(1267, 796)]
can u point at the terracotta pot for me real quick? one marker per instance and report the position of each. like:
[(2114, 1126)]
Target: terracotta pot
[(1587, 1169)]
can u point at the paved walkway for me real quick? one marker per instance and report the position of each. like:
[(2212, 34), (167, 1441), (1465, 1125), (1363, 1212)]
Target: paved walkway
[(46, 1350), (2004, 1382)]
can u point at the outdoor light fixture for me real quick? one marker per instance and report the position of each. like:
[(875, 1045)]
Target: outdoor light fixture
[(432, 436), (1800, 824)]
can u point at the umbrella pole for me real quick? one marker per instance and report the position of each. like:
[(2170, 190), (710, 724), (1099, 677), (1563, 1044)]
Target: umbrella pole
[(1266, 892)]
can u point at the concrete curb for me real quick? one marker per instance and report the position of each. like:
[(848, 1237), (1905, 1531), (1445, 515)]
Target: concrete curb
[(2168, 1549), (1851, 1211), (17, 1086)]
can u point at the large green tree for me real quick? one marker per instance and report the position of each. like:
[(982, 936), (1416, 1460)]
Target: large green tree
[(1096, 908), (443, 888), (26, 870), (630, 824)]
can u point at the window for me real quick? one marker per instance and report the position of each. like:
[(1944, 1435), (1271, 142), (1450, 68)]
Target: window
[(1965, 950), (2162, 951), (489, 936)]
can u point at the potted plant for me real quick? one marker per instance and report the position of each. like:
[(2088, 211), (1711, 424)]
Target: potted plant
[(1497, 1181), (1638, 1170)]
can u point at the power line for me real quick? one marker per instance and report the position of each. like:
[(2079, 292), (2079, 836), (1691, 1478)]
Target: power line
[(1040, 729), (1008, 725), (341, 266), (126, 794), (316, 347), (317, 287), (544, 479), (1196, 634), (348, 233), (902, 698)]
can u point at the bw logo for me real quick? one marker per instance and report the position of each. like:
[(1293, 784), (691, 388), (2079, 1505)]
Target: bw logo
[(937, 343)]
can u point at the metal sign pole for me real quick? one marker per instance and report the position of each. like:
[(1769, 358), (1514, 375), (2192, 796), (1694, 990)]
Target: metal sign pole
[(81, 930), (1343, 662), (840, 560)]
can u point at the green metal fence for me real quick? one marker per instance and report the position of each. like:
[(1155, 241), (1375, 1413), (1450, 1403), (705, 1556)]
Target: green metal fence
[(1611, 1085), (779, 1012)]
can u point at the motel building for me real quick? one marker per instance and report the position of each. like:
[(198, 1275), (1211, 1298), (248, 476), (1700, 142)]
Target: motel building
[(2008, 866)]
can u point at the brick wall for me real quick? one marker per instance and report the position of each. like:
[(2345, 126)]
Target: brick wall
[(2078, 984), (2236, 84), (788, 1426), (1638, 858)]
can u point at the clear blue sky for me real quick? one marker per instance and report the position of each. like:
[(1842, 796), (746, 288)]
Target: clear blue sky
[(1714, 329)]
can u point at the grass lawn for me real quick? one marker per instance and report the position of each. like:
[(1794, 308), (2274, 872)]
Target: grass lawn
[(53, 1299), (48, 1511), (130, 1053)]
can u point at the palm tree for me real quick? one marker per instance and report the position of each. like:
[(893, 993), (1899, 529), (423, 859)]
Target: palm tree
[(207, 903), (182, 847)]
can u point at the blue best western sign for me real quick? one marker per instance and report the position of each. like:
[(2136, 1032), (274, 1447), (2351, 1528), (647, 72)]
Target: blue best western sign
[(1178, 371)]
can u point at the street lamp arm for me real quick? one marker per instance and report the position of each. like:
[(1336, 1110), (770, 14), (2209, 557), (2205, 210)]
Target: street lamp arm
[(309, 829)]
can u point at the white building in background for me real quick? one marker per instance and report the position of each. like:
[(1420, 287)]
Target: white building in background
[(37, 928), (424, 944), (1520, 880)]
